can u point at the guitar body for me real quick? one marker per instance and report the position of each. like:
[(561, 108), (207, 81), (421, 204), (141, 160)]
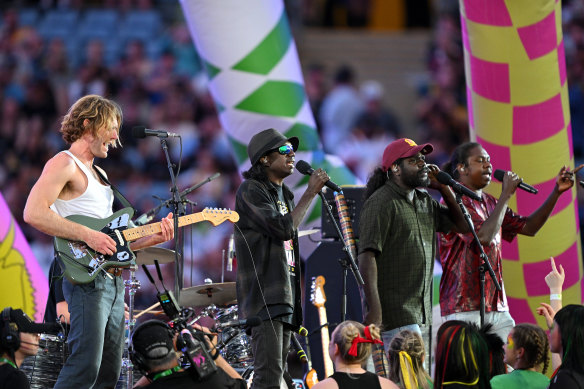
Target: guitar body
[(80, 263), (311, 378)]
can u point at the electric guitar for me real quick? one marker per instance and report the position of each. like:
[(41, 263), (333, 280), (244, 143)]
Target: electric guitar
[(81, 264), (310, 378), (318, 299)]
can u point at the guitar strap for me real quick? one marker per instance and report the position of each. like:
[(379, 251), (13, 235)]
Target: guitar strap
[(118, 195)]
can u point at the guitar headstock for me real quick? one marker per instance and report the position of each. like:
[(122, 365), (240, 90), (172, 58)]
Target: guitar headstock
[(217, 215), (317, 296)]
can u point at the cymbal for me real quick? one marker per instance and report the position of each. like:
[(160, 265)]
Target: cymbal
[(201, 295), (149, 254), (307, 232)]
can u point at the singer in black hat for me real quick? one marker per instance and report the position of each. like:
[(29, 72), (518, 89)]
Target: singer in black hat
[(19, 339), (266, 245)]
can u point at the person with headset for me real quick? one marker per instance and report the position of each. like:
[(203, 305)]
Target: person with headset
[(266, 245), (19, 338), (154, 350)]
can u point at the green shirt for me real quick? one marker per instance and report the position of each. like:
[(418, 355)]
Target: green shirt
[(520, 379), (402, 235)]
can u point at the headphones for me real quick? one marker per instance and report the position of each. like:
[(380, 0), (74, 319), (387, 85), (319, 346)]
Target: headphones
[(10, 337), (136, 357)]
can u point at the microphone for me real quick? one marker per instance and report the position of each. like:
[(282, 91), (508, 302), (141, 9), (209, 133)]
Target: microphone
[(305, 168), (230, 254), (250, 322), (32, 344), (446, 179), (299, 350), (581, 183), (499, 174), (142, 132), (302, 331)]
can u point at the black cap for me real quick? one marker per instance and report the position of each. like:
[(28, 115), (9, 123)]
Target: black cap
[(267, 140), (152, 340)]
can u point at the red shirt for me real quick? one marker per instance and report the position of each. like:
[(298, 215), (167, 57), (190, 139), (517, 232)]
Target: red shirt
[(460, 259)]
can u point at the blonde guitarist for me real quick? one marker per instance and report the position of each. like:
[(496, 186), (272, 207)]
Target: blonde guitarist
[(350, 347), (69, 185)]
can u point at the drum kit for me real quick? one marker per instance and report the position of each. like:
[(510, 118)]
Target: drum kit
[(216, 300)]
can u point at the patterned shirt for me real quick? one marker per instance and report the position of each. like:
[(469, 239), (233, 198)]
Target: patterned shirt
[(402, 234), (459, 256)]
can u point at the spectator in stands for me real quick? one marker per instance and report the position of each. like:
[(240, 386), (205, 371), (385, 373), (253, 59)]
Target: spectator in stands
[(339, 110)]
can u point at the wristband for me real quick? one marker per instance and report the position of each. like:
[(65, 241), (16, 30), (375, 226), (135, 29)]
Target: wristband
[(555, 296), (216, 355)]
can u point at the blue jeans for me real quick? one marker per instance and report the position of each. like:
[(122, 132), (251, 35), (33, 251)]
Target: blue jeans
[(96, 338), (270, 347)]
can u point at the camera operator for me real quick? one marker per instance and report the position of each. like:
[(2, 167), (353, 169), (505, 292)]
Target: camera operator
[(155, 351), (19, 338)]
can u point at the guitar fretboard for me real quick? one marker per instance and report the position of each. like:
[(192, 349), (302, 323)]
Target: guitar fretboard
[(135, 233), (324, 333)]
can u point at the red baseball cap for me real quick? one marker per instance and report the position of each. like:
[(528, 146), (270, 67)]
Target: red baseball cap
[(402, 148)]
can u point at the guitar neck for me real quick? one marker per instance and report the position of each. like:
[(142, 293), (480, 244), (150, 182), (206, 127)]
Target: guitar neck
[(324, 334), (135, 233), (345, 222), (380, 361)]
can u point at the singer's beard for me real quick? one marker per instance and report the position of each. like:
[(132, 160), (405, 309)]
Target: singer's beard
[(416, 180)]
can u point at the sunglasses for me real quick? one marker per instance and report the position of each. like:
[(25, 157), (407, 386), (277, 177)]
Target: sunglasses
[(285, 150)]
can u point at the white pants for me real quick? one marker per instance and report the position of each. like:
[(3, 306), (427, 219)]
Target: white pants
[(502, 322)]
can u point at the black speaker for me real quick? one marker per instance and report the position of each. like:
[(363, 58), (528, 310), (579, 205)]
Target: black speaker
[(324, 261), (354, 199)]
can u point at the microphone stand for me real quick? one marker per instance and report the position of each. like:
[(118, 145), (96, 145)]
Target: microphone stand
[(178, 208), (486, 265), (351, 263), (150, 214)]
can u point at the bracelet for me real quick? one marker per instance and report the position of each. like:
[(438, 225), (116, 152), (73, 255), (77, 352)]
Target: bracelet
[(555, 296), (216, 355)]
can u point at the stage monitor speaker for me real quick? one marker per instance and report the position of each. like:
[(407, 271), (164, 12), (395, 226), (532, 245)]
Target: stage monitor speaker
[(324, 261), (354, 199)]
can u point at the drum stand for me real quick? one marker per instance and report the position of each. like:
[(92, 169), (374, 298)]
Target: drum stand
[(133, 284)]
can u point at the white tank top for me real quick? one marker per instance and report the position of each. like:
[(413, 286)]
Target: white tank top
[(96, 201)]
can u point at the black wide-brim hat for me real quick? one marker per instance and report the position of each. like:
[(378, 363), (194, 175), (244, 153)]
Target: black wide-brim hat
[(268, 140)]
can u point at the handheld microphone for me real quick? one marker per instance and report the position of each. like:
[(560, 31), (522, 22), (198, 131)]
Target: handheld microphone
[(581, 183), (445, 179), (299, 350), (500, 174), (142, 132), (305, 168), (250, 322), (230, 254)]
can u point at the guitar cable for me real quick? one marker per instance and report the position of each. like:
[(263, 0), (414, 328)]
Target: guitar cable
[(259, 284)]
